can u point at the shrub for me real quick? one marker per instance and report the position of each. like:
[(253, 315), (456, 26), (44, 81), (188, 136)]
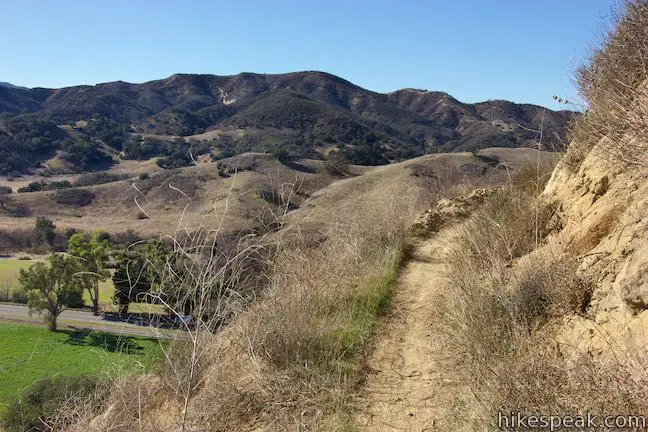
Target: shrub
[(613, 84), (508, 225), (5, 293), (222, 172), (17, 296), (143, 176), (39, 403), (32, 187), (16, 240), (57, 185), (124, 239), (75, 197), (45, 229), (98, 178), (547, 288), (42, 185), (336, 164), (5, 190)]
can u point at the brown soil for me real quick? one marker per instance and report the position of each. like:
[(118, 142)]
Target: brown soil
[(407, 388)]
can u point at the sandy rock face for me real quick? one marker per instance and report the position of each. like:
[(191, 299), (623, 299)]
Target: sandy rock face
[(632, 280), (603, 210)]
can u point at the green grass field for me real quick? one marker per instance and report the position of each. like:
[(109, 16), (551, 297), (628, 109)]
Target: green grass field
[(10, 269), (28, 354)]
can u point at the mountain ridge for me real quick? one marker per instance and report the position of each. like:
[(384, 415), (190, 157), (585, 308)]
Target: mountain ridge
[(9, 85), (304, 113)]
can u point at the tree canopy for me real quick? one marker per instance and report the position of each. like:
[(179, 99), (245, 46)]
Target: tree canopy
[(52, 287)]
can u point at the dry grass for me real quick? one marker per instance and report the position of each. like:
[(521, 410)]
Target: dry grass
[(293, 350), (301, 347), (615, 86), (291, 360), (500, 321), (510, 224)]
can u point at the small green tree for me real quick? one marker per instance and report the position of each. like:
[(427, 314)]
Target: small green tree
[(45, 230), (51, 288), (93, 256)]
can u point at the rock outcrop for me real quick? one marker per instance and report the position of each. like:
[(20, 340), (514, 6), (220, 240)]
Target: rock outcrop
[(449, 210), (603, 210)]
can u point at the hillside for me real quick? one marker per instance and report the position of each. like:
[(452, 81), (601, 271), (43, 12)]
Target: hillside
[(9, 85), (296, 114), (329, 250), (248, 189)]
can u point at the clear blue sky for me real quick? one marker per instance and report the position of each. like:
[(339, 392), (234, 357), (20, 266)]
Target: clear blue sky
[(521, 50)]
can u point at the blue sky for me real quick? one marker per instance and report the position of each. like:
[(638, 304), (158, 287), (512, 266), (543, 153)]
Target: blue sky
[(519, 50)]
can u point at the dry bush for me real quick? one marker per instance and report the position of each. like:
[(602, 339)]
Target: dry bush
[(546, 288), (508, 225), (538, 377), (212, 277), (299, 351), (615, 86), (300, 316), (532, 177), (512, 222), (499, 323), (118, 404)]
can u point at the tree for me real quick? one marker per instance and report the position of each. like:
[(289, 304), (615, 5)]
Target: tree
[(93, 256), (45, 229), (336, 164), (4, 200), (51, 288), (131, 279)]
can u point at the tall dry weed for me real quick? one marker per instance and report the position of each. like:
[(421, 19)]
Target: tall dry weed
[(285, 352), (504, 308), (614, 85)]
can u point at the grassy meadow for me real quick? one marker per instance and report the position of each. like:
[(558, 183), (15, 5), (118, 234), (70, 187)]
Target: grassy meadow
[(29, 353), (9, 271)]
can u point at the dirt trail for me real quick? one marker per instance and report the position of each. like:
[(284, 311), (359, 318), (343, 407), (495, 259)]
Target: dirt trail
[(407, 389)]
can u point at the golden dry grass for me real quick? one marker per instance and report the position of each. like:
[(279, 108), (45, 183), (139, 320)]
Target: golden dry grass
[(506, 302), (293, 352), (614, 84)]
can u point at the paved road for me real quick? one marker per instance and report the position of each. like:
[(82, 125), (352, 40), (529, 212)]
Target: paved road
[(76, 319)]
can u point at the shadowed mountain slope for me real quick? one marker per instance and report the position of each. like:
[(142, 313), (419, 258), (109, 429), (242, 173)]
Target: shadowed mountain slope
[(301, 113)]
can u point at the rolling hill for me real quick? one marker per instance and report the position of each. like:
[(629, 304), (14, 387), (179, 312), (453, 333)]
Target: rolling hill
[(301, 114)]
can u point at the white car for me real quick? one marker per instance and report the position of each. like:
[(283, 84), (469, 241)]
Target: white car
[(184, 321)]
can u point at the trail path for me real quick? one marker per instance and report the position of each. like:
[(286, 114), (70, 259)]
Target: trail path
[(407, 389)]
